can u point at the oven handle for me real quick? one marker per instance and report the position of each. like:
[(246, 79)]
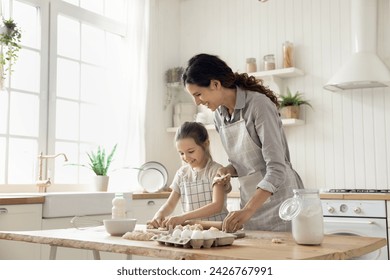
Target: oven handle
[(350, 222)]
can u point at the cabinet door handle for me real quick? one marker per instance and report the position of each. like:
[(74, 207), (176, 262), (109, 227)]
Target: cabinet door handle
[(3, 211), (151, 203)]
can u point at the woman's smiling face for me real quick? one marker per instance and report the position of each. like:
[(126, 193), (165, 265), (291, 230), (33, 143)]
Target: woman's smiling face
[(191, 153), (208, 96)]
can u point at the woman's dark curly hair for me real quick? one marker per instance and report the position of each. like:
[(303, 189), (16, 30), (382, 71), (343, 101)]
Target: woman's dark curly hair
[(203, 68)]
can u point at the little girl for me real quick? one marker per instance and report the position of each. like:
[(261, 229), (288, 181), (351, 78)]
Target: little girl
[(203, 195)]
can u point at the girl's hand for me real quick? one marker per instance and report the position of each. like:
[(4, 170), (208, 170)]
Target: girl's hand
[(173, 221), (157, 221)]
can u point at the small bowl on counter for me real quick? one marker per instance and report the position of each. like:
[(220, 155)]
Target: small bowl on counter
[(118, 227)]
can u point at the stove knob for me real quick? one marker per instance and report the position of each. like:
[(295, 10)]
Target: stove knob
[(343, 208), (330, 209), (357, 210)]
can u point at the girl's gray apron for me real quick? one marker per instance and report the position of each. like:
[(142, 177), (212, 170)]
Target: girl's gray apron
[(247, 159), (198, 194)]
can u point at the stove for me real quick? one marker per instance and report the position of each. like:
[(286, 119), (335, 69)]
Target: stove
[(358, 191), (357, 217)]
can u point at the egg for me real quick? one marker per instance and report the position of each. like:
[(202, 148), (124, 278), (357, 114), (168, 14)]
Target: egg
[(208, 234), (177, 233), (197, 234), (186, 233), (179, 227)]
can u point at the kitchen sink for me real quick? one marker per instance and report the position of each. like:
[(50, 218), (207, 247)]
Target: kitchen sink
[(67, 204)]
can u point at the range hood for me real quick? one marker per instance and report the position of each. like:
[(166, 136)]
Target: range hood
[(364, 69)]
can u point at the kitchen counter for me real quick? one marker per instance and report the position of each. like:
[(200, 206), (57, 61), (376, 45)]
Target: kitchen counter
[(15, 198), (12, 199), (256, 245), (146, 195)]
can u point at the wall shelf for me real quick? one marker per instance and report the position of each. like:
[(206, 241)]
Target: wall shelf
[(286, 122), (292, 122), (176, 85), (274, 79), (282, 73)]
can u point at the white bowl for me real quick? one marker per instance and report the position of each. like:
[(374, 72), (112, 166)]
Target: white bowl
[(119, 226)]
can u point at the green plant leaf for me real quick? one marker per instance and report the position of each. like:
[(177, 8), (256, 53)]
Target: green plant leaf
[(98, 162), (290, 99), (110, 157), (10, 41)]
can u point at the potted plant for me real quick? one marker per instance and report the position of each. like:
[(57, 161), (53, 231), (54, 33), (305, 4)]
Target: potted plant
[(10, 36), (173, 83), (99, 163), (289, 104)]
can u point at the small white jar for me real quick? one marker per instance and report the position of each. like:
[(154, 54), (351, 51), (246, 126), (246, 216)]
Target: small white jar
[(305, 212)]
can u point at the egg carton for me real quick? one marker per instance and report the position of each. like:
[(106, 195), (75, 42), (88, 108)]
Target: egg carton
[(169, 240)]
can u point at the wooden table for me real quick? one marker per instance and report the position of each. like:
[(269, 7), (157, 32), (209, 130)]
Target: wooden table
[(257, 245)]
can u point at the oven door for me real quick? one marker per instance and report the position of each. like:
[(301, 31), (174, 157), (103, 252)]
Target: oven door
[(369, 227)]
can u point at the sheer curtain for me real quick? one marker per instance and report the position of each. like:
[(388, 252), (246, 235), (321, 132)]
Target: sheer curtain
[(131, 154)]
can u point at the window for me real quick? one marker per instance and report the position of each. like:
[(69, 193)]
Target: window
[(66, 88)]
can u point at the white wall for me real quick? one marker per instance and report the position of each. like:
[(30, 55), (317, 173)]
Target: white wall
[(164, 54), (346, 140)]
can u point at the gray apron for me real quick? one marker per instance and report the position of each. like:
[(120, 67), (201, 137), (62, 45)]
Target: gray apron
[(246, 157), (198, 194)]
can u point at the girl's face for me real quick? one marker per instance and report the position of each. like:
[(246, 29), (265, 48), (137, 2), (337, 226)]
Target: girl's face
[(208, 96), (191, 153)]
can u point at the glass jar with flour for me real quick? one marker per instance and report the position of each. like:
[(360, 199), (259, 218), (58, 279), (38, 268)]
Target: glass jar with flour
[(304, 210)]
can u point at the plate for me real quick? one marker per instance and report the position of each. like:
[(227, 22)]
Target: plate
[(152, 176)]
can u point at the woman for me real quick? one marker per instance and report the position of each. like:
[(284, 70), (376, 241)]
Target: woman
[(248, 122)]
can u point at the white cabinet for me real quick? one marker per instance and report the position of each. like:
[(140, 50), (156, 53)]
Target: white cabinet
[(20, 217)]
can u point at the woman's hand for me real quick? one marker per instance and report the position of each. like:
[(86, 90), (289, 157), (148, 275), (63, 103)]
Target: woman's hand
[(223, 171), (235, 220), (223, 180)]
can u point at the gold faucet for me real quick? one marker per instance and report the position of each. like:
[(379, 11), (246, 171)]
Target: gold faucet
[(42, 183)]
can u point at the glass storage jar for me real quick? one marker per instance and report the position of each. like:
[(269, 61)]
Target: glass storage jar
[(269, 62), (288, 49), (251, 65), (305, 212)]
